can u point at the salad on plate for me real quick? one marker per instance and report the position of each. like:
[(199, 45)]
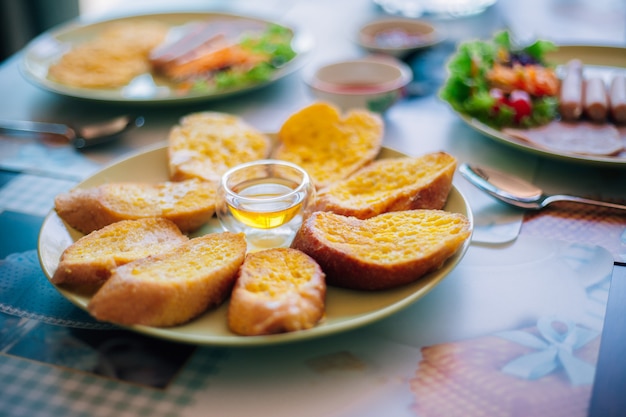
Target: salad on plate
[(502, 84)]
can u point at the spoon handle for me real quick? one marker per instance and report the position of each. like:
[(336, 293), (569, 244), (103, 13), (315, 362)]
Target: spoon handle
[(36, 127), (582, 200)]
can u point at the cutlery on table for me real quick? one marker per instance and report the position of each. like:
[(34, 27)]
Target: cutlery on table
[(517, 192), (79, 137)]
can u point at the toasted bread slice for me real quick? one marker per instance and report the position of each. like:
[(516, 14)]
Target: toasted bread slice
[(91, 259), (384, 251), (173, 287), (111, 59), (393, 184), (205, 145), (189, 204), (278, 290), (328, 145)]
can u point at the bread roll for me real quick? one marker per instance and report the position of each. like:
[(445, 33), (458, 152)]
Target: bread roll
[(189, 204), (91, 259), (173, 287), (393, 184), (278, 290), (384, 251), (328, 145)]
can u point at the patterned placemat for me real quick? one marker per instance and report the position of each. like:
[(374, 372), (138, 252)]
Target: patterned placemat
[(26, 292), (32, 194), (32, 156), (36, 390), (580, 223)]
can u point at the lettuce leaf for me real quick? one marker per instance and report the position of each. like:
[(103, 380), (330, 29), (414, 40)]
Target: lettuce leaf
[(275, 42), (467, 89)]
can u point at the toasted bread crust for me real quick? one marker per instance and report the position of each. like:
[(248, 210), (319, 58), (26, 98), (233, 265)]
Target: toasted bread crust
[(189, 204), (91, 259), (174, 287), (204, 145), (328, 145), (393, 184), (382, 252), (278, 290)]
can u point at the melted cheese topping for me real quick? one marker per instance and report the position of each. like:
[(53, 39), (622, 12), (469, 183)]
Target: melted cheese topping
[(205, 145)]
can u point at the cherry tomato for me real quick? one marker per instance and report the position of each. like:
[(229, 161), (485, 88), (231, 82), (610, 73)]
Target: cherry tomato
[(520, 101), (499, 97)]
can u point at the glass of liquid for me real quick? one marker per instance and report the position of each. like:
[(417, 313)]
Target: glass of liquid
[(266, 200)]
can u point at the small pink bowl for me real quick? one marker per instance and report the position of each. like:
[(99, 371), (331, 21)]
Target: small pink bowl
[(373, 83), (397, 37)]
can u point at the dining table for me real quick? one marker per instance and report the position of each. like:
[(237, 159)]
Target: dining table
[(530, 321)]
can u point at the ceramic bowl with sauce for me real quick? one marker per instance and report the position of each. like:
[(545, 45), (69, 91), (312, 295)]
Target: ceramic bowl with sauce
[(374, 83), (397, 37)]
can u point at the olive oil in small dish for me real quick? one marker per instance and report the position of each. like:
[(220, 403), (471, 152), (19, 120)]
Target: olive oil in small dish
[(266, 200)]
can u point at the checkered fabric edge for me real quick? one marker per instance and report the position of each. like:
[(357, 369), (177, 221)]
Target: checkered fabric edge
[(32, 389), (32, 194)]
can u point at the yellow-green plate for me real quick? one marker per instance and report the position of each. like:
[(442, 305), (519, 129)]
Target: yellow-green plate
[(47, 48), (345, 309), (600, 60)]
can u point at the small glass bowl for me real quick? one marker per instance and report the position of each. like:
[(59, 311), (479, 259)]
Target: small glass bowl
[(267, 200)]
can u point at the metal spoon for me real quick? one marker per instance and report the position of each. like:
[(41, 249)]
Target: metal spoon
[(79, 137), (517, 192)]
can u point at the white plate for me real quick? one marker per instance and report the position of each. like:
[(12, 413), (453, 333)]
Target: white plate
[(47, 48), (600, 60), (345, 309)]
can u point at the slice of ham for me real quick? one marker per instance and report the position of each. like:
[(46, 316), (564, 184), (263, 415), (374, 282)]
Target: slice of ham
[(573, 137), (214, 59), (194, 36), (201, 38)]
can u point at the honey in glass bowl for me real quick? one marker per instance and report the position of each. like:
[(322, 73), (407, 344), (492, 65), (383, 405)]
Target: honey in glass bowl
[(266, 200)]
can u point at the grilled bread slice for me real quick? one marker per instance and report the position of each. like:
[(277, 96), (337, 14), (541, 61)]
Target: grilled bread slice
[(173, 287), (393, 184), (384, 251), (278, 290), (92, 258), (328, 145), (189, 204), (206, 144)]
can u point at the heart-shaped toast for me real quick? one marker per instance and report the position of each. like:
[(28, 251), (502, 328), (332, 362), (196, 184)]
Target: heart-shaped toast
[(328, 145)]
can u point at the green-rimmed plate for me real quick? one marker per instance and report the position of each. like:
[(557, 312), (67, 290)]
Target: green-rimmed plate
[(47, 48), (599, 60), (345, 309)]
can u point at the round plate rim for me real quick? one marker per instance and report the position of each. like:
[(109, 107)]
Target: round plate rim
[(503, 138), (302, 41), (423, 286)]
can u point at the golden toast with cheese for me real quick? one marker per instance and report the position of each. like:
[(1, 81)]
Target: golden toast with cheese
[(278, 290), (328, 145), (392, 184), (92, 258), (189, 204), (173, 287), (384, 251), (206, 144)]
